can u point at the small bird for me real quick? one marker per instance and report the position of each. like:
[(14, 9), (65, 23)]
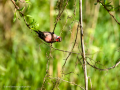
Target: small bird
[(49, 37)]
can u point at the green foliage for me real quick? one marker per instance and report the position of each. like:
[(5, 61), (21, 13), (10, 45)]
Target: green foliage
[(14, 19), (95, 3), (21, 9), (23, 56)]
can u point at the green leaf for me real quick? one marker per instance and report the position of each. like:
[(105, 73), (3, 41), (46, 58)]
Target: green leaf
[(21, 14), (33, 21), (108, 3), (118, 7), (95, 3), (37, 25), (14, 19), (29, 16), (28, 7), (21, 9), (104, 1)]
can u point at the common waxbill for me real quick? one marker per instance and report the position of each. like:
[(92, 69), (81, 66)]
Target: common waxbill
[(49, 37)]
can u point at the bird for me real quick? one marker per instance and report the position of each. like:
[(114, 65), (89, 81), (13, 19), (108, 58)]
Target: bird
[(48, 37)]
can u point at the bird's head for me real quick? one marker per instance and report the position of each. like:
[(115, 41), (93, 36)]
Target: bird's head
[(58, 39)]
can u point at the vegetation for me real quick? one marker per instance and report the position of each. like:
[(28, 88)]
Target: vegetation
[(24, 56)]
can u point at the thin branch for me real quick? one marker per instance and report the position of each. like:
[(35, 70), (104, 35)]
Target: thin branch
[(60, 49), (90, 82), (15, 4), (82, 45), (108, 11), (59, 15), (105, 68), (21, 14), (67, 82), (80, 62), (47, 68), (56, 83), (72, 47)]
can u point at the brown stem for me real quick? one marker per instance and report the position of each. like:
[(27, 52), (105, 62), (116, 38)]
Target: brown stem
[(82, 45), (21, 14), (108, 11), (59, 15), (72, 47), (105, 68)]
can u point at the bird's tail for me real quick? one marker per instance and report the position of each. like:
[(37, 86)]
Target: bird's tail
[(40, 34), (37, 31)]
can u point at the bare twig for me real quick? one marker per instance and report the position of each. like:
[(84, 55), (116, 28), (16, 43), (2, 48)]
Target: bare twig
[(67, 82), (47, 68), (80, 62), (72, 47), (60, 49), (105, 68), (108, 11), (82, 45), (56, 83), (59, 15), (90, 82)]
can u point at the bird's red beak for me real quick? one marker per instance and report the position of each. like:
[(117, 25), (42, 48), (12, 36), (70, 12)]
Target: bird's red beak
[(58, 39)]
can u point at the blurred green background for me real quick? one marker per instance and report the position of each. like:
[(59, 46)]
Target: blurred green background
[(23, 56)]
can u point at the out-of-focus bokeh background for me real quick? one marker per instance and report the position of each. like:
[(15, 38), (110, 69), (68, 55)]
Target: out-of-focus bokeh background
[(23, 56)]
